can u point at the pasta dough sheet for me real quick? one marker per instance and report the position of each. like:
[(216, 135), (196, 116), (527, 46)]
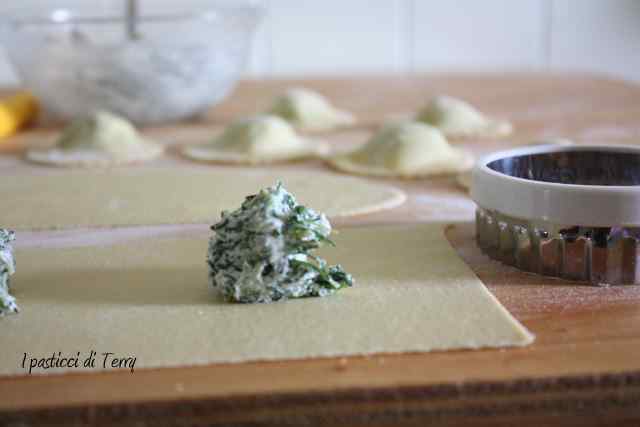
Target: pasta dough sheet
[(175, 196), (150, 299)]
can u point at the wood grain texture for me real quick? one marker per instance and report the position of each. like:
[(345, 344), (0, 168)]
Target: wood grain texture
[(583, 369)]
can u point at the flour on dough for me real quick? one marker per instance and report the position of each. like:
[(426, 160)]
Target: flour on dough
[(405, 149), (100, 139), (150, 299), (457, 118), (255, 140), (148, 196), (310, 111)]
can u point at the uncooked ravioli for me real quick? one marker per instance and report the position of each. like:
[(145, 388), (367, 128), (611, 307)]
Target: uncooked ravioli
[(255, 140), (407, 150), (172, 196), (457, 118), (100, 139), (150, 299), (310, 111)]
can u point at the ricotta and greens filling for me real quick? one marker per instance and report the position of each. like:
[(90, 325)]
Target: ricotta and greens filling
[(261, 252), (7, 268)]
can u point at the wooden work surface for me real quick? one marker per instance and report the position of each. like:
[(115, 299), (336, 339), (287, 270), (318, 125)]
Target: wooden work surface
[(583, 369)]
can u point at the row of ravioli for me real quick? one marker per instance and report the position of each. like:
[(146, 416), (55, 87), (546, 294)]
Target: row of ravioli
[(401, 148)]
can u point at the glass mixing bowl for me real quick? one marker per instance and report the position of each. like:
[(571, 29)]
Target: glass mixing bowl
[(168, 67)]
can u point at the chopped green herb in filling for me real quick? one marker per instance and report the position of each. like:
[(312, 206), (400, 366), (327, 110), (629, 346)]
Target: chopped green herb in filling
[(262, 251), (7, 268)]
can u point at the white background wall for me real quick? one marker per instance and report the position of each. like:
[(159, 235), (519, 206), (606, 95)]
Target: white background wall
[(315, 37)]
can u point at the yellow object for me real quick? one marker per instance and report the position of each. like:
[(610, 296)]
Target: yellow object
[(16, 111)]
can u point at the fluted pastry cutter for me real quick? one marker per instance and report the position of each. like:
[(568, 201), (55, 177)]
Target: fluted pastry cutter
[(565, 211)]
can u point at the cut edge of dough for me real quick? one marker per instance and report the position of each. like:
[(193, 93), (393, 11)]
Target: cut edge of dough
[(207, 153), (343, 163), (91, 157), (396, 198), (524, 335)]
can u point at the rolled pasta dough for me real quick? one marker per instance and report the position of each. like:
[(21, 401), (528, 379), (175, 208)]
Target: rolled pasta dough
[(148, 196), (150, 299)]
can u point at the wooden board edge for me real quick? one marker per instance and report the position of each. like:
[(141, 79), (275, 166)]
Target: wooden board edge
[(607, 399)]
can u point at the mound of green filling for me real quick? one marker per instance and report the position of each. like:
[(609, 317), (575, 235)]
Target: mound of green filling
[(7, 268), (262, 251)]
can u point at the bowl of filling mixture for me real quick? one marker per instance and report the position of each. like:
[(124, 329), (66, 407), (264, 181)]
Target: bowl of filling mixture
[(149, 68)]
